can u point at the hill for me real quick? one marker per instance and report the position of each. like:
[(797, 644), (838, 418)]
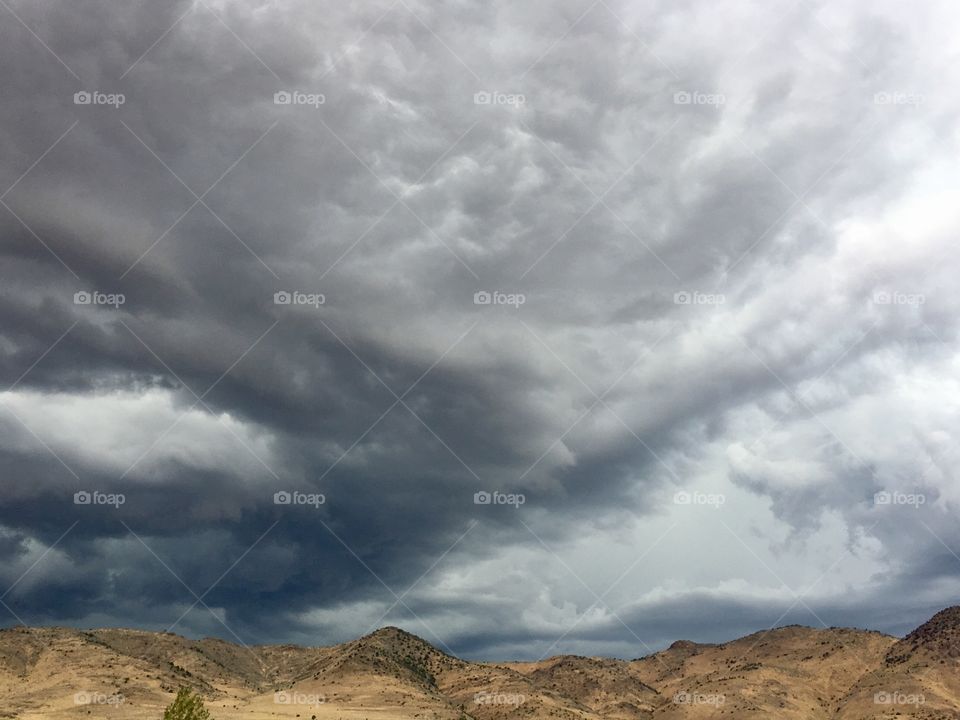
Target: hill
[(789, 672), (919, 676)]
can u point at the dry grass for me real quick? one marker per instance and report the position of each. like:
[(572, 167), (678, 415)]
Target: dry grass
[(788, 673)]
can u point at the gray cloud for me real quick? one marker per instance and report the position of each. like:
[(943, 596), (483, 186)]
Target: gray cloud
[(789, 175)]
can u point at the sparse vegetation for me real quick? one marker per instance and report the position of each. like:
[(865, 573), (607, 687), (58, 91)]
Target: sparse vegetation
[(789, 673), (188, 705)]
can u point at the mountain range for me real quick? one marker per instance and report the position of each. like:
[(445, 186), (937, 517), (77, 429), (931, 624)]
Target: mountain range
[(787, 672)]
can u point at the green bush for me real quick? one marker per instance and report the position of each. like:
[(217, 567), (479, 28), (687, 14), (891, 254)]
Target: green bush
[(188, 705)]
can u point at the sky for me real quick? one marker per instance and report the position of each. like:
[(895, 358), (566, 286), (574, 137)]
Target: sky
[(532, 328)]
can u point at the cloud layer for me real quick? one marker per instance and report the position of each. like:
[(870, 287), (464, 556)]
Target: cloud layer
[(679, 275)]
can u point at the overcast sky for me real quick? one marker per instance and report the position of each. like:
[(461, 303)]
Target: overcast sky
[(676, 279)]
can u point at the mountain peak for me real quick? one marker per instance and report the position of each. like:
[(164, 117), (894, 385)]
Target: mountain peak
[(838, 670), (939, 636), (949, 615), (392, 631), (388, 652), (396, 639)]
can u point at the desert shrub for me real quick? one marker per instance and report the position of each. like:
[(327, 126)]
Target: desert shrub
[(188, 705)]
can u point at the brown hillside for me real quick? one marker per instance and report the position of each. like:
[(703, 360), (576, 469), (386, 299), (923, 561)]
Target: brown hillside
[(790, 672), (919, 677)]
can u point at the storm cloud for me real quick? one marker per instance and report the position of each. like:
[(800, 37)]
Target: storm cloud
[(674, 282)]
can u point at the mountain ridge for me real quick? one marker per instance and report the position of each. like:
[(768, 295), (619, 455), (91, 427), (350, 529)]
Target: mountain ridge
[(788, 672)]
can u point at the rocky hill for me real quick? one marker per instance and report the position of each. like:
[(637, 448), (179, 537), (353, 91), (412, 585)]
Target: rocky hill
[(789, 672)]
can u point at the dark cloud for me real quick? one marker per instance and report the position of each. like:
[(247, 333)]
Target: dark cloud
[(732, 234)]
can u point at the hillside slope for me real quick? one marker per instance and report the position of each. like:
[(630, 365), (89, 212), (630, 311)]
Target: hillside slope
[(789, 672), (919, 676)]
